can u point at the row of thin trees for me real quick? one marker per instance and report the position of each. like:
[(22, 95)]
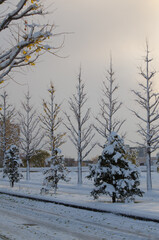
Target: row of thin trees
[(107, 120), (33, 128)]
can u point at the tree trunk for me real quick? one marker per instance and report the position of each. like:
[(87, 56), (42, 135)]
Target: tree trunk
[(28, 170), (79, 171), (12, 183), (148, 162), (55, 189), (114, 198), (148, 147)]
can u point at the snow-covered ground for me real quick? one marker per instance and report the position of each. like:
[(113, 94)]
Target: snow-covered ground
[(31, 220), (83, 222), (71, 192)]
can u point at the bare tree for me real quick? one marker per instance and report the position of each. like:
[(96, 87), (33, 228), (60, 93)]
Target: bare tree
[(80, 133), (28, 40), (109, 106), (9, 130), (51, 121), (148, 100), (31, 135)]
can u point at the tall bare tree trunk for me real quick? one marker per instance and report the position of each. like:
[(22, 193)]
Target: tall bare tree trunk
[(80, 135), (148, 100)]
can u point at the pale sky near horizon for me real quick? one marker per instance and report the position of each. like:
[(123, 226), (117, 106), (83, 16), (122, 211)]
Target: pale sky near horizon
[(97, 27)]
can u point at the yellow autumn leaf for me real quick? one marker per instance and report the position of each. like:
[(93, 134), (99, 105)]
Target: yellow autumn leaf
[(27, 57), (38, 50), (30, 45)]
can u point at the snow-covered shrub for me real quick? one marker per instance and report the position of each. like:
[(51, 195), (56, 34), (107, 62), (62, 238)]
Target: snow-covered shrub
[(114, 175), (56, 172), (11, 165)]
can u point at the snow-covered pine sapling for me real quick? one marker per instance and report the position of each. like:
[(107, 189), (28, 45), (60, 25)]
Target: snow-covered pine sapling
[(11, 166), (114, 174), (56, 172)]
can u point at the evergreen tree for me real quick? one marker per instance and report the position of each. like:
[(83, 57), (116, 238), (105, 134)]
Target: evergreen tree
[(114, 174), (12, 163), (56, 172)]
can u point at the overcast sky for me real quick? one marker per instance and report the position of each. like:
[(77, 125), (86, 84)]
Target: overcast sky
[(98, 27)]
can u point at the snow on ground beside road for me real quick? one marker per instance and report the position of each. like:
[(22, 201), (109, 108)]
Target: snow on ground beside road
[(32, 220), (148, 206)]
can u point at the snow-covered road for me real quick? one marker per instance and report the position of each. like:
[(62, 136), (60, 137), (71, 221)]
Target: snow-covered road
[(30, 220)]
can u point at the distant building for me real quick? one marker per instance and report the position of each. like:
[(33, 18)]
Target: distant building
[(70, 162), (86, 163), (141, 155)]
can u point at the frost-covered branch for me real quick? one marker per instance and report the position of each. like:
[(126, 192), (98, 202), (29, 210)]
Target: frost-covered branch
[(28, 39), (148, 100), (9, 130), (31, 135), (51, 121), (109, 106)]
